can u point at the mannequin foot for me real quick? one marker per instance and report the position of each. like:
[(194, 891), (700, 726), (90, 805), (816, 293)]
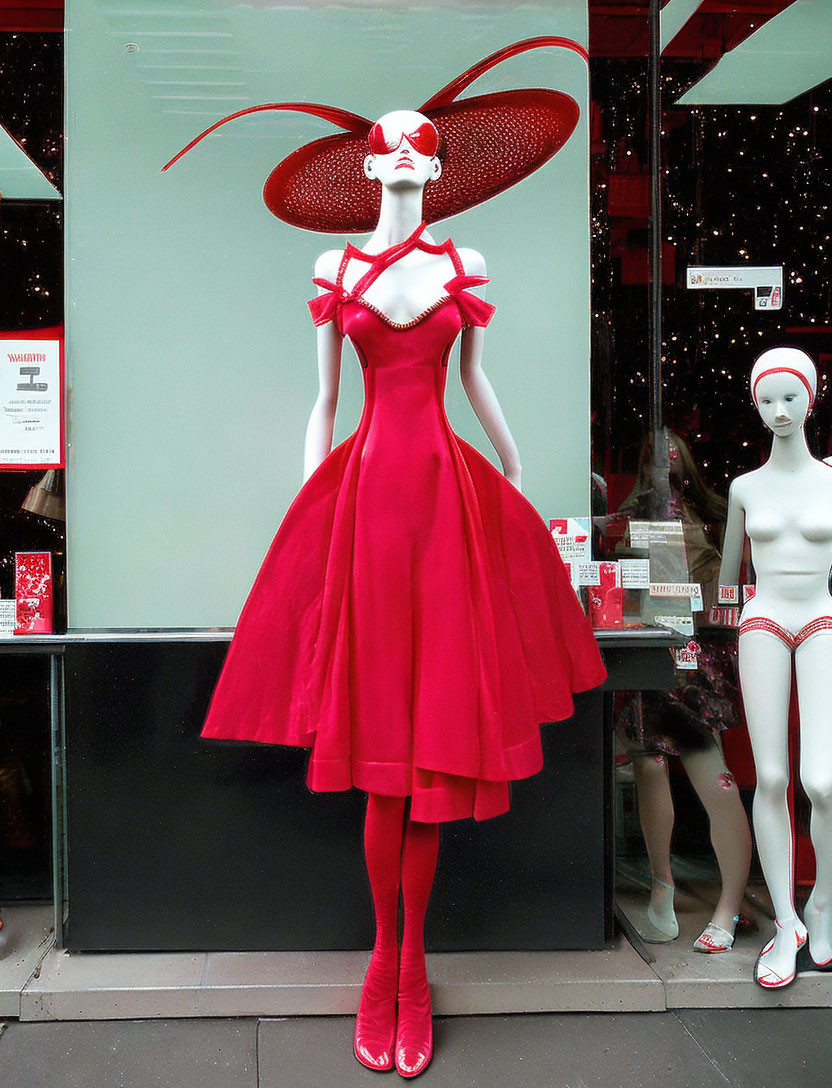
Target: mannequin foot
[(660, 913), (776, 964), (414, 1033), (375, 1024), (820, 934), (715, 938)]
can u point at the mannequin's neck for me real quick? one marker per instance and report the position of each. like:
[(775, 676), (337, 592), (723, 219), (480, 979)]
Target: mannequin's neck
[(399, 217), (790, 452)]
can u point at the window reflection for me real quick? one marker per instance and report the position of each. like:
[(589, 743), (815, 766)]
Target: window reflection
[(742, 185)]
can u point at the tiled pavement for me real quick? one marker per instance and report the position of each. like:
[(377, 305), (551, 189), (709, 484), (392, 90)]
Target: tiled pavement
[(140, 1021), (771, 1048)]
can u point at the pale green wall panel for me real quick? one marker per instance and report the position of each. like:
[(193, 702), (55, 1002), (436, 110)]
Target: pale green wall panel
[(20, 178), (785, 57)]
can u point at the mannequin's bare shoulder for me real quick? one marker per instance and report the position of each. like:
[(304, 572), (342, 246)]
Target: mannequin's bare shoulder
[(326, 266), (472, 261), (741, 485)]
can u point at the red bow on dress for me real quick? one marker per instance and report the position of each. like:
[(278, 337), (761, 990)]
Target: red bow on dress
[(474, 310), (325, 307)]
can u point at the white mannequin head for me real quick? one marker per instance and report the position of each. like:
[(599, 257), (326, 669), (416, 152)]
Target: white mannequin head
[(403, 148), (784, 382)]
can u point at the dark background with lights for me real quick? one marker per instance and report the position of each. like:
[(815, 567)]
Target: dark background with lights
[(744, 184), (740, 184)]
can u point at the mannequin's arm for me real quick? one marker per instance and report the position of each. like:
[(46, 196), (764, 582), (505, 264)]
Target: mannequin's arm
[(479, 389), (318, 441), (729, 571)]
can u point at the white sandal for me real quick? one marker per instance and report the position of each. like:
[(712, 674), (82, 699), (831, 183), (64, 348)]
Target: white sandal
[(766, 974), (714, 938)]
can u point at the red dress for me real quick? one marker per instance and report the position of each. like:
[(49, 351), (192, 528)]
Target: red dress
[(412, 622)]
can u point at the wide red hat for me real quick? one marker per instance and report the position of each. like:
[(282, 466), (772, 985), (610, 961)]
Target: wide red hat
[(489, 142)]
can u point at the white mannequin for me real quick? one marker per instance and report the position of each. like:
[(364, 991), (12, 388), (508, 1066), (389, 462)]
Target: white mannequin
[(402, 292), (785, 507)]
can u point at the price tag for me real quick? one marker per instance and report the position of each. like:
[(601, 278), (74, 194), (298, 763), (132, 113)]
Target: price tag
[(691, 590), (589, 574), (724, 617), (728, 595), (686, 658), (7, 616), (682, 624), (572, 537), (645, 533), (635, 573)]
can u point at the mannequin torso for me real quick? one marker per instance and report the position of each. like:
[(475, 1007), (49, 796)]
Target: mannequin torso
[(788, 518)]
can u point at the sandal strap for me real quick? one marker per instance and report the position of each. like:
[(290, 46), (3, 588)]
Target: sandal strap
[(718, 931)]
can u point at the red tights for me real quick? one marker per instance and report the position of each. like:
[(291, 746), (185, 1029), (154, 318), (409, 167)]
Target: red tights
[(401, 856)]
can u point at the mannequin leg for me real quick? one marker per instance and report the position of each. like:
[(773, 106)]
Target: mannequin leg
[(730, 833), (765, 677), (414, 1036), (375, 1025), (655, 814), (812, 666)]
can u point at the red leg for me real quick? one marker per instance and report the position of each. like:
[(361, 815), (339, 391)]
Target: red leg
[(414, 1035), (375, 1025)]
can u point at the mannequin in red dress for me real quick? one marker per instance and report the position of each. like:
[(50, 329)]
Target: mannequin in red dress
[(401, 852), (412, 623)]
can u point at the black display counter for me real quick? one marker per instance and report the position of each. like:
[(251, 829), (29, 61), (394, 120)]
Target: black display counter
[(174, 843)]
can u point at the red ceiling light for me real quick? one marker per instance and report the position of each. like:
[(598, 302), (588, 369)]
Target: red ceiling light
[(36, 16)]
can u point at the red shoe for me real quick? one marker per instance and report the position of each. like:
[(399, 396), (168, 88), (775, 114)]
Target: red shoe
[(375, 1024), (414, 1033)]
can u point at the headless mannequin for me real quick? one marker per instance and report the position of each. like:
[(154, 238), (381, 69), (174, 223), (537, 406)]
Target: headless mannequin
[(394, 1016), (785, 507)]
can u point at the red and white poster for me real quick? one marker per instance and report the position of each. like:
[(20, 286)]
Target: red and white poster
[(31, 399), (33, 593)]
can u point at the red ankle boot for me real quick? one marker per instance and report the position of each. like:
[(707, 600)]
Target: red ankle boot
[(414, 1031), (375, 1024)]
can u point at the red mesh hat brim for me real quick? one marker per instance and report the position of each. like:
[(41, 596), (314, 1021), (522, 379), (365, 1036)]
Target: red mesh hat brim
[(322, 187), (494, 141), (491, 142)]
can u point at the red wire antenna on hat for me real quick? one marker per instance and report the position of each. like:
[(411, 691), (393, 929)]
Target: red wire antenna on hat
[(351, 122), (453, 89), (491, 142)]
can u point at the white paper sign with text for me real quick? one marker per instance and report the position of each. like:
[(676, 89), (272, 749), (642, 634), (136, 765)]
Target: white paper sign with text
[(30, 403)]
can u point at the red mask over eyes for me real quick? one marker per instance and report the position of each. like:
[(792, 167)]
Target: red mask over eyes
[(425, 140)]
